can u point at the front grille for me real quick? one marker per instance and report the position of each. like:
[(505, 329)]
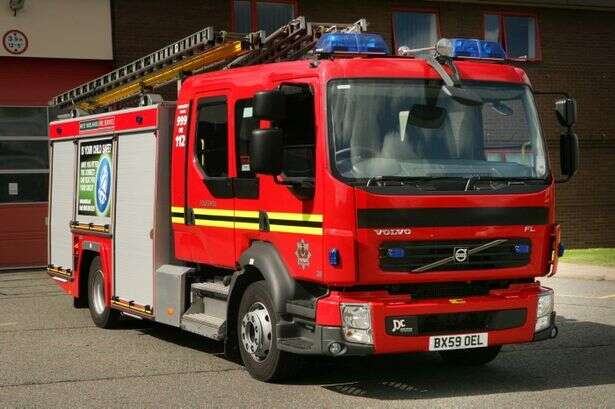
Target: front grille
[(418, 256), (432, 324), (448, 290)]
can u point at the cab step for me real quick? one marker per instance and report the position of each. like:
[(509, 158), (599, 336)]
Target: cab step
[(214, 289), (204, 324)]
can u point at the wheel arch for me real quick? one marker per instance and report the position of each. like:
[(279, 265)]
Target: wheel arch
[(261, 261)]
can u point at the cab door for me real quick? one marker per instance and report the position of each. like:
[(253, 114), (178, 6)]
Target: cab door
[(210, 212), (273, 209)]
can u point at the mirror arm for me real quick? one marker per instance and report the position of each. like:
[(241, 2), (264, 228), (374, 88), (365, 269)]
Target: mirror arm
[(431, 60), (566, 178)]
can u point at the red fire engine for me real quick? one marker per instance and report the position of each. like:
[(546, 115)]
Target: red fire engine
[(307, 193)]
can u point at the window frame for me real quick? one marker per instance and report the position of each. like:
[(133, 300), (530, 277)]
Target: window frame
[(29, 138), (502, 34), (394, 10), (253, 11)]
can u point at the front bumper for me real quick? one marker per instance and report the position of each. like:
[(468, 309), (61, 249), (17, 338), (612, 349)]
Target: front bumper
[(500, 311)]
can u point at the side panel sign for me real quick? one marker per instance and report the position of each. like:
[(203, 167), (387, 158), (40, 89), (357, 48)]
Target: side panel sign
[(95, 178)]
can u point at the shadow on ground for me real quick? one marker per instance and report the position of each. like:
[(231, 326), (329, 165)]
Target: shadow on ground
[(568, 361)]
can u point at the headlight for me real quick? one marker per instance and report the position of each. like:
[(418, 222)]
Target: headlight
[(356, 316), (357, 323), (544, 308)]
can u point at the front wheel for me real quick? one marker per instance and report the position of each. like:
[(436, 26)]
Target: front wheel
[(102, 314), (256, 329), (471, 357)]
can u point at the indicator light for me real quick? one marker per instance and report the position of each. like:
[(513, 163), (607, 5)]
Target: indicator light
[(334, 257), (522, 248), (396, 252)]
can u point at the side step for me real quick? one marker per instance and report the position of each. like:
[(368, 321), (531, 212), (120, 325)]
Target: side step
[(203, 324), (214, 289), (207, 313)]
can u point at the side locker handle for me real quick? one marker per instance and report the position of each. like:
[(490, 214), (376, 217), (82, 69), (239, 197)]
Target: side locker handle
[(191, 219)]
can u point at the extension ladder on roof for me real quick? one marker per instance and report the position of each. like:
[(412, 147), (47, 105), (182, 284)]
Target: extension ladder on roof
[(205, 50)]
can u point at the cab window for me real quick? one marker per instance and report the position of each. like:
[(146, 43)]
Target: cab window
[(299, 131), (212, 137)]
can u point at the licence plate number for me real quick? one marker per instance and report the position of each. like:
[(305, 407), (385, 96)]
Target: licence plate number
[(463, 341)]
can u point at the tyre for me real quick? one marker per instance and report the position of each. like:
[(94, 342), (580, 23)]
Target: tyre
[(102, 314), (256, 331), (471, 357)]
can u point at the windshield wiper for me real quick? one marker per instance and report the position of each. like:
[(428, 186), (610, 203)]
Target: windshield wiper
[(382, 180), (505, 181), (418, 182)]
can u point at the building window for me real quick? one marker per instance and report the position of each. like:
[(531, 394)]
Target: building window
[(518, 34), (415, 29), (211, 137), (252, 15), (24, 154)]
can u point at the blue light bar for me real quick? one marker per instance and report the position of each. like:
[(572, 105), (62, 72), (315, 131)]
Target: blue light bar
[(522, 249), (472, 48), (351, 43)]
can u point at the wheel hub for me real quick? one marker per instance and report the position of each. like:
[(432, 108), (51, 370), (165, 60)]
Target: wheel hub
[(256, 331)]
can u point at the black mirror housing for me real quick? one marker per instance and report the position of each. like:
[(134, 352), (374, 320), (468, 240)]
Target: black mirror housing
[(266, 151), (569, 154), (270, 105), (566, 112)]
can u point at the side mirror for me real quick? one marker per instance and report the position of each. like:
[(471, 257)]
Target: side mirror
[(266, 151), (463, 95), (269, 105), (566, 112), (569, 154)]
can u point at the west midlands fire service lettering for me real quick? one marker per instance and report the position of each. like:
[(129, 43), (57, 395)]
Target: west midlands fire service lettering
[(95, 164)]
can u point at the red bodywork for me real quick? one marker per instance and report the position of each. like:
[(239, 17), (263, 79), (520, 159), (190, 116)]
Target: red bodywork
[(336, 203)]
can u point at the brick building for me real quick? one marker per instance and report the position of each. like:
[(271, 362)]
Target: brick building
[(572, 51), (564, 45)]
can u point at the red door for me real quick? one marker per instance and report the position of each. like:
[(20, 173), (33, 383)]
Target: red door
[(210, 212)]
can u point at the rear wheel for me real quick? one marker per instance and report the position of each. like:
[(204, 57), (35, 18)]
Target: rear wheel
[(471, 357), (102, 314), (256, 330)]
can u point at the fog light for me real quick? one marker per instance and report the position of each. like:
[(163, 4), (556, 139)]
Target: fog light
[(335, 348)]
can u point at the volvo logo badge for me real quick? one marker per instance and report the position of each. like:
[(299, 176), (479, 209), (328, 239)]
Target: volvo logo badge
[(460, 254)]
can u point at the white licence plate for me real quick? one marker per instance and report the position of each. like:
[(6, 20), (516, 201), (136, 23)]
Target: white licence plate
[(463, 341)]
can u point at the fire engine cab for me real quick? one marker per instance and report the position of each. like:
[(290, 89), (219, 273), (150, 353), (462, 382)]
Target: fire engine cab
[(308, 193)]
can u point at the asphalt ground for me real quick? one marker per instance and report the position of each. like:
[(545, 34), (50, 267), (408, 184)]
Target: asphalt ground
[(51, 355)]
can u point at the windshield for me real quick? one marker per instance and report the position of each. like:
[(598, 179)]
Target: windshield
[(412, 129)]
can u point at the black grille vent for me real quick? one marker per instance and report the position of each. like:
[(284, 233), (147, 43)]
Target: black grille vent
[(432, 324), (416, 256)]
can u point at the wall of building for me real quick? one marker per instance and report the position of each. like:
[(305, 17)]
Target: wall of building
[(68, 42), (578, 57), (61, 29)]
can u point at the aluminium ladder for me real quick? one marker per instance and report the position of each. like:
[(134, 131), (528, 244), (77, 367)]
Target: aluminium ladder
[(205, 50)]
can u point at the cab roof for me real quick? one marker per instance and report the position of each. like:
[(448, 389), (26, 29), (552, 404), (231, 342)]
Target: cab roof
[(359, 67)]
